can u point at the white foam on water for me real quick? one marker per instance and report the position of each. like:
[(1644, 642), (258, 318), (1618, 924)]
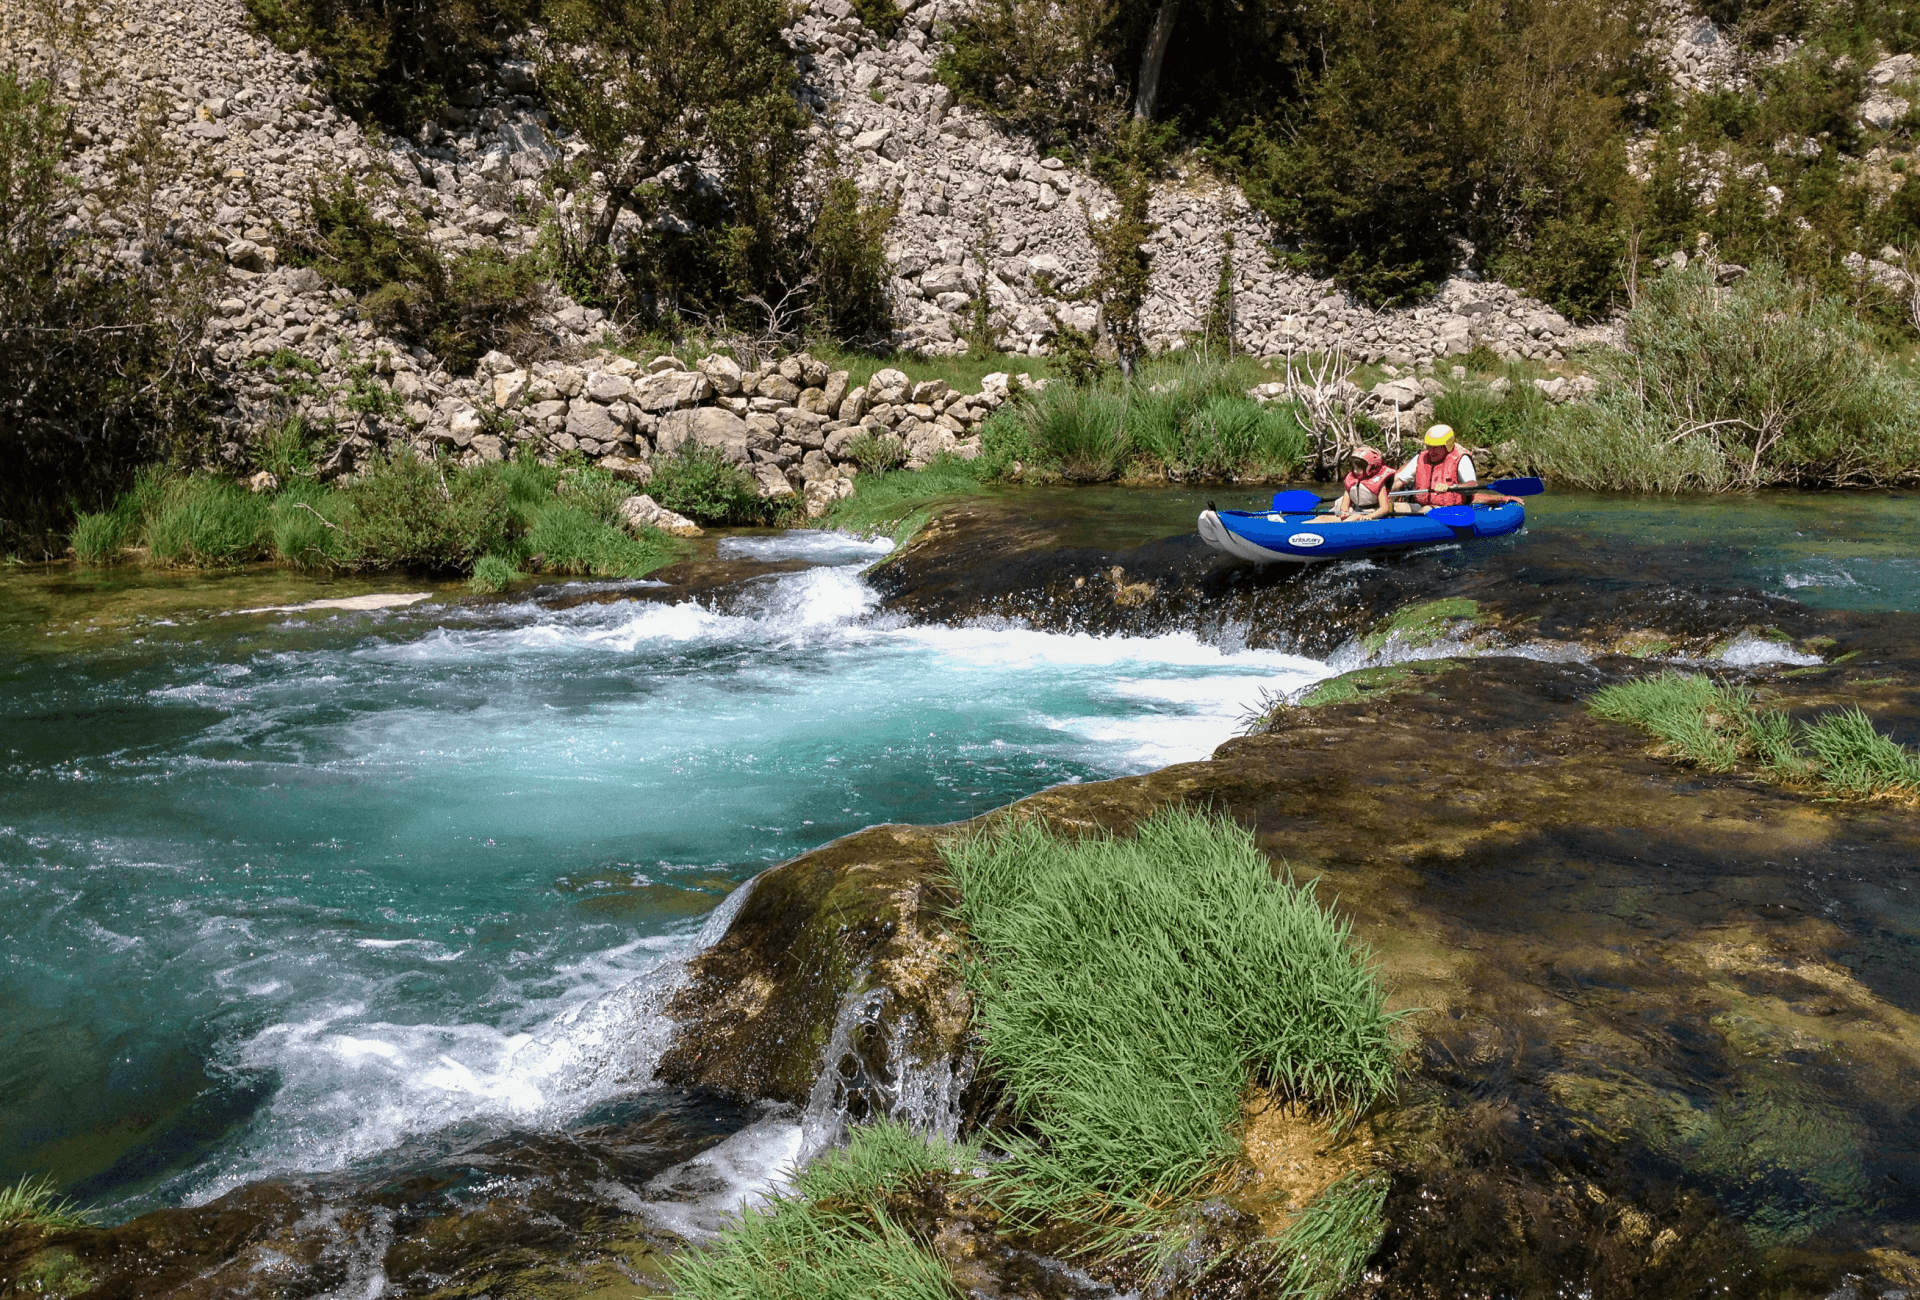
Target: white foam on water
[(351, 1087), (1750, 651), (709, 1191), (819, 545)]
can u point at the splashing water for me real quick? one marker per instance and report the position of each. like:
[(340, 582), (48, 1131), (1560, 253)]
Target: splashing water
[(285, 898)]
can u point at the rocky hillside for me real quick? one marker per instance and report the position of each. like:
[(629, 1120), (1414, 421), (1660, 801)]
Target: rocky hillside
[(246, 135)]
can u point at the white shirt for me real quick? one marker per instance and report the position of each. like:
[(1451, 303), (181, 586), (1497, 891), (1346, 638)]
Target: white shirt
[(1405, 475)]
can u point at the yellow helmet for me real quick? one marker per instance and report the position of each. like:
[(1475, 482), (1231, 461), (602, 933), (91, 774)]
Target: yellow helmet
[(1439, 435)]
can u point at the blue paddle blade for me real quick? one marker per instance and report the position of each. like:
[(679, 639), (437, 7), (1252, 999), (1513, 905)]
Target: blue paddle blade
[(1452, 516), (1517, 487), (1286, 502)]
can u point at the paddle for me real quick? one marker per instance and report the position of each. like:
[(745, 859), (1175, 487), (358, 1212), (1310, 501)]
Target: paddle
[(1287, 502), (1513, 487)]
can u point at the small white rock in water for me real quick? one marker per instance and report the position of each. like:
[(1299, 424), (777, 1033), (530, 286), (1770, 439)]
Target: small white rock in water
[(644, 512)]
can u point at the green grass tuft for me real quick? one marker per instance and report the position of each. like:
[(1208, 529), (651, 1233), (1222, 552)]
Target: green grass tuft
[(897, 504), (207, 522), (832, 1238), (1858, 762), (1421, 625), (575, 540), (97, 538), (1129, 990), (35, 1203), (492, 574), (1322, 1252), (1721, 729)]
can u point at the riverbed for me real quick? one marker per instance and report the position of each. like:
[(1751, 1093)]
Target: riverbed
[(296, 890)]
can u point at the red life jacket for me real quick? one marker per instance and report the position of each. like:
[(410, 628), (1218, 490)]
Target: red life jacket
[(1428, 477), (1374, 482)]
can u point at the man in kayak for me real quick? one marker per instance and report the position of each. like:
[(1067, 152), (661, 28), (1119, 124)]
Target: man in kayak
[(1442, 475), (1365, 496)]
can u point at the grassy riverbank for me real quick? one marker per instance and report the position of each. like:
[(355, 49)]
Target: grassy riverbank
[(1131, 994), (406, 512)]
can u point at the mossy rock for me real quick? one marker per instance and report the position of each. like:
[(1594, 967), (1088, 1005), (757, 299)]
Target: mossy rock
[(1375, 683), (1421, 625), (861, 921)]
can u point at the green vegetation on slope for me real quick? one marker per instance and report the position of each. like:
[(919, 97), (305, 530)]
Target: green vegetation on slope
[(1722, 729), (1129, 991), (99, 354), (1539, 136), (1763, 383)]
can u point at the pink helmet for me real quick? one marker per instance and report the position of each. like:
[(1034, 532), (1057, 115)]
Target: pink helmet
[(1373, 459)]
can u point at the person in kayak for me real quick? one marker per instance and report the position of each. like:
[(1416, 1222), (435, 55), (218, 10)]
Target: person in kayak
[(1442, 474), (1365, 484)]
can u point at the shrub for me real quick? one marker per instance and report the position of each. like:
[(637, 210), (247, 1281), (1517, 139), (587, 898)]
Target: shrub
[(1762, 383), (1081, 431), (406, 512), (850, 262), (876, 453), (459, 310), (702, 484), (100, 356), (206, 522), (397, 64), (1128, 990), (305, 532), (574, 539), (882, 17)]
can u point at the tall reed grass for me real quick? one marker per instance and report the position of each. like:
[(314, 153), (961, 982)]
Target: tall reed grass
[(1129, 990), (1722, 729)]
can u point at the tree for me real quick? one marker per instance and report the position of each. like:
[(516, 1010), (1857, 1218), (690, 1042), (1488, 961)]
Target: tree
[(652, 86)]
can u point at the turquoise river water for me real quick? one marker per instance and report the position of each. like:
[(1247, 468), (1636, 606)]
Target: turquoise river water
[(287, 889)]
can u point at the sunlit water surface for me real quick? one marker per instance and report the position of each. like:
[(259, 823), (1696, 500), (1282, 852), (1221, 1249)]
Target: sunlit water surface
[(284, 892)]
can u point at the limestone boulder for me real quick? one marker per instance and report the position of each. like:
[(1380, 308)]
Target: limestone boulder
[(672, 390), (888, 385), (644, 512), (706, 426)]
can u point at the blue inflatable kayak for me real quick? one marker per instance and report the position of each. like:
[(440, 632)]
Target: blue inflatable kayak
[(1262, 536)]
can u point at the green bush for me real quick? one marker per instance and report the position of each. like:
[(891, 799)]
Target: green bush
[(1763, 383), (406, 512), (206, 522), (1079, 431), (574, 539), (1127, 991), (849, 241), (876, 453), (396, 64), (305, 532), (99, 355), (702, 484), (286, 449), (459, 310), (882, 17)]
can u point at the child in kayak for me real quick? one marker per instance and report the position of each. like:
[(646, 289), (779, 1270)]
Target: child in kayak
[(1366, 479)]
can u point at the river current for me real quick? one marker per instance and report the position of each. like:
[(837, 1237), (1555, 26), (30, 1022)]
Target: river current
[(286, 891)]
